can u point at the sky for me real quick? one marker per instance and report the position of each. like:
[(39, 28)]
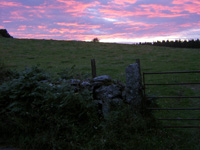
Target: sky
[(120, 21)]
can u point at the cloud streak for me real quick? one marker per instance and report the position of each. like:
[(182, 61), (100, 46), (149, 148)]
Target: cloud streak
[(111, 21)]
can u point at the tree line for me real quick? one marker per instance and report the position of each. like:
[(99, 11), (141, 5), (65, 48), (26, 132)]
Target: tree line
[(177, 43)]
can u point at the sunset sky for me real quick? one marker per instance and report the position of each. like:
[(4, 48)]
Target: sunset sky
[(109, 20)]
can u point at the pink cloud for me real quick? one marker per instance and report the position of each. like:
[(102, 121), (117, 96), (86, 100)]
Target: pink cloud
[(76, 8), (64, 30), (89, 37), (17, 15), (190, 24), (187, 25), (20, 11), (11, 4), (188, 5), (133, 23), (78, 25), (22, 28), (158, 11), (25, 27), (135, 26), (35, 13), (185, 1), (151, 10), (7, 21), (32, 36), (42, 27), (116, 13), (123, 2), (67, 24), (192, 8)]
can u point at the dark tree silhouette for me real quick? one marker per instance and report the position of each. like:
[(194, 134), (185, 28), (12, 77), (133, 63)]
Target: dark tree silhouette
[(4, 33), (177, 43), (95, 40)]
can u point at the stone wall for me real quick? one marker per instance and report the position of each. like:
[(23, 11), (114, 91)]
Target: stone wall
[(107, 91)]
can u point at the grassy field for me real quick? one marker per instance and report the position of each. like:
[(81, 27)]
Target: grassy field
[(112, 59)]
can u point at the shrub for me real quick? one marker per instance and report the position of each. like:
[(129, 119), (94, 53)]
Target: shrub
[(95, 40), (4, 33), (36, 114)]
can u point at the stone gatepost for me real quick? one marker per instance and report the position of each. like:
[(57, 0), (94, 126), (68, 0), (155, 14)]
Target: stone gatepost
[(133, 87)]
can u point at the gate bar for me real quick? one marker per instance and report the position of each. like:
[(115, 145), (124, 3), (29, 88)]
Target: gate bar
[(181, 126), (173, 96), (169, 72), (173, 108), (170, 83), (169, 119)]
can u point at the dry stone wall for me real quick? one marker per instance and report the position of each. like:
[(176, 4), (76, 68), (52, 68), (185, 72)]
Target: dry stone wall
[(107, 91)]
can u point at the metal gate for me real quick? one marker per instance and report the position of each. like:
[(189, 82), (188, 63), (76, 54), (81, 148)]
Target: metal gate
[(149, 85)]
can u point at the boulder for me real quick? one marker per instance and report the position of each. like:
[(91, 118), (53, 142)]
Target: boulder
[(85, 84), (74, 82), (117, 101), (108, 92), (105, 108), (133, 85), (104, 79)]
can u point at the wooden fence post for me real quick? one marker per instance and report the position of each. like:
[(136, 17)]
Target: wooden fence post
[(93, 65)]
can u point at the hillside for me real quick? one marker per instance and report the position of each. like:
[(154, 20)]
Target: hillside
[(111, 59)]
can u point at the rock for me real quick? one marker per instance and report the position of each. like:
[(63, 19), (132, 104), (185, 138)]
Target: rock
[(98, 102), (124, 94), (108, 92), (50, 84), (105, 108), (108, 95), (117, 101), (104, 78), (63, 80), (133, 85), (74, 81), (97, 84), (44, 81), (85, 84)]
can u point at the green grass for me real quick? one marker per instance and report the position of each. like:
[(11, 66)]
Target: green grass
[(112, 59)]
